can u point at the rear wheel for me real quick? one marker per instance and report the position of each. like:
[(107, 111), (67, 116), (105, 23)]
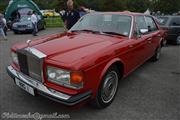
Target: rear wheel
[(178, 40), (157, 54), (107, 89), (164, 43)]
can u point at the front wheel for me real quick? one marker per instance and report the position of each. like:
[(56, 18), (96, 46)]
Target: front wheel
[(157, 54), (107, 89)]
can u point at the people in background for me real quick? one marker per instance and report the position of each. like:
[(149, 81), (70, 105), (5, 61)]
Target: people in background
[(34, 21), (5, 26), (71, 16), (2, 25), (82, 11)]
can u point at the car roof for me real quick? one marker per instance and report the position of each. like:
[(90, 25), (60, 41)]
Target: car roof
[(170, 16), (123, 13)]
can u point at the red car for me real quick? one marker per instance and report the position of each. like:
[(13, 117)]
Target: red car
[(87, 62)]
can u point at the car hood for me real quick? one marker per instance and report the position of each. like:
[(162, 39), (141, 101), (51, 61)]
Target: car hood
[(70, 48)]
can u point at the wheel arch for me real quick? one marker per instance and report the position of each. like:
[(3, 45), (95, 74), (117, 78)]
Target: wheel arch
[(117, 62)]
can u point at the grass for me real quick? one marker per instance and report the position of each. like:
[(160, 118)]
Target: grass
[(54, 22)]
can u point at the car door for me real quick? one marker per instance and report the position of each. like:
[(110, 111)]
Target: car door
[(137, 48), (175, 26), (155, 34), (144, 38)]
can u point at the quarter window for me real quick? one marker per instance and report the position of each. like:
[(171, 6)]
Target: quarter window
[(140, 23), (151, 24)]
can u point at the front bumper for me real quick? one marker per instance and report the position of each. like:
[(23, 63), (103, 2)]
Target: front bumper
[(48, 92), (25, 30)]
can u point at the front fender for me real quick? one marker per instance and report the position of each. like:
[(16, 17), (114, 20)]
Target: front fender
[(111, 62)]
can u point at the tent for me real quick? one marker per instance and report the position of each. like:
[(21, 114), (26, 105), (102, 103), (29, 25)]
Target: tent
[(16, 5)]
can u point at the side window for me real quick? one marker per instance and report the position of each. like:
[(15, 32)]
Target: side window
[(175, 21), (151, 24), (140, 24)]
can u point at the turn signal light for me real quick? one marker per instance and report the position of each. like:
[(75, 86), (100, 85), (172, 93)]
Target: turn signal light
[(76, 77)]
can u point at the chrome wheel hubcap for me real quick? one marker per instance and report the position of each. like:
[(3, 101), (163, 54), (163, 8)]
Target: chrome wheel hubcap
[(178, 40), (109, 87), (158, 53)]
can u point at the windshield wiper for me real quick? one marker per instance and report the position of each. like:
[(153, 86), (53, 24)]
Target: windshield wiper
[(86, 30), (114, 33)]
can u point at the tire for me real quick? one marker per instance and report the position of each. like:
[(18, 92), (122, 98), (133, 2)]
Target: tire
[(178, 40), (157, 54), (44, 26), (107, 89), (164, 43)]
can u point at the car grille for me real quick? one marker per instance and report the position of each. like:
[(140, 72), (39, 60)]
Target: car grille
[(21, 26), (30, 65)]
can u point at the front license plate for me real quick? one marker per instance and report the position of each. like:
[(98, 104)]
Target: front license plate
[(22, 29), (24, 86)]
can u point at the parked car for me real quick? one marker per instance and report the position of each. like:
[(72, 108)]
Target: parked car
[(87, 62), (25, 25), (172, 25), (50, 13)]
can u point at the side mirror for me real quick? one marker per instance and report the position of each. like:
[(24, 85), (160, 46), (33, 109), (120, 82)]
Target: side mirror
[(144, 31)]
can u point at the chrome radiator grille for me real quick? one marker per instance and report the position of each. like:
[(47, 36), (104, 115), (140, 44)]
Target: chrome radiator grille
[(30, 65)]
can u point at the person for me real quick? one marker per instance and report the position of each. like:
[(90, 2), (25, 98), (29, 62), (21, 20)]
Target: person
[(5, 26), (82, 11), (2, 25), (34, 21), (71, 16)]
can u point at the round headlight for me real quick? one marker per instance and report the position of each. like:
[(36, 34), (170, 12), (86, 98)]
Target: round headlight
[(52, 75)]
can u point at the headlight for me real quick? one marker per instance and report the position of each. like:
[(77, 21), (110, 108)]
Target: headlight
[(14, 57), (29, 25), (65, 78), (14, 25)]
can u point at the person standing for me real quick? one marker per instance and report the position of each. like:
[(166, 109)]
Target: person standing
[(5, 26), (2, 25), (34, 21), (71, 16), (82, 11)]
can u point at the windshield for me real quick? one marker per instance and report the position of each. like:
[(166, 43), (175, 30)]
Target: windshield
[(25, 18), (162, 20), (109, 23)]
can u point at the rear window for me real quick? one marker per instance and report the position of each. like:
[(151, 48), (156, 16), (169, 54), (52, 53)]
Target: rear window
[(163, 20)]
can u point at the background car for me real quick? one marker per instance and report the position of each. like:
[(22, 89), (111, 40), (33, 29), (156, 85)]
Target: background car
[(25, 25), (172, 25), (49, 13)]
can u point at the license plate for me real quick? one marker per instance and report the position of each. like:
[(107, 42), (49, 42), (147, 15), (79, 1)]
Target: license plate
[(24, 86), (22, 28)]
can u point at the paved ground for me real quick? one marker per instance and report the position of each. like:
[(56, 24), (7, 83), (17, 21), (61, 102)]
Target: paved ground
[(152, 92)]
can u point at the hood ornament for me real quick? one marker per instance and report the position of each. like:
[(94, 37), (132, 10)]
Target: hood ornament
[(28, 44)]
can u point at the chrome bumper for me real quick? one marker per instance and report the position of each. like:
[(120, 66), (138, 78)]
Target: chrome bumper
[(48, 92)]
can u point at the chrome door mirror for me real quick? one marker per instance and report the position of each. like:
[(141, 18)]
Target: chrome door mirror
[(144, 31)]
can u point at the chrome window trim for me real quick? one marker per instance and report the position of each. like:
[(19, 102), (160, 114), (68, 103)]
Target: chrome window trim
[(132, 26)]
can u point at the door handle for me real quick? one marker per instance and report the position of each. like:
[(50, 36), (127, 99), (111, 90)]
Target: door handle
[(131, 46), (149, 39), (159, 35)]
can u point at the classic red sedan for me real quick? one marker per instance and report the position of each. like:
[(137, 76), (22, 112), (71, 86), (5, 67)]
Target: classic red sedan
[(87, 62)]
